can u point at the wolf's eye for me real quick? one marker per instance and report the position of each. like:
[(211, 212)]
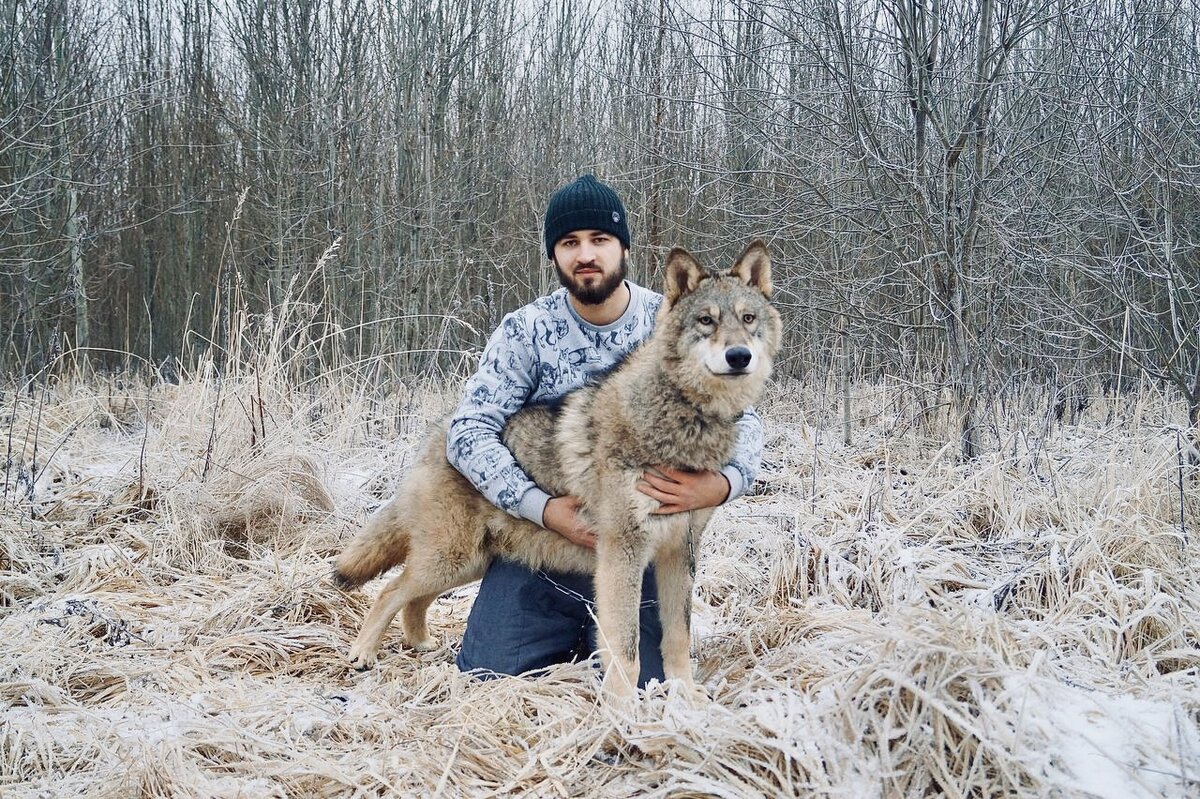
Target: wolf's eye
[(748, 318), (705, 320)]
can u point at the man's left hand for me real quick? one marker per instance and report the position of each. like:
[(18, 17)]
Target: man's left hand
[(678, 491)]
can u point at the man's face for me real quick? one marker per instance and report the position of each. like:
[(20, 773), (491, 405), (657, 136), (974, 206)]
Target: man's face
[(590, 264)]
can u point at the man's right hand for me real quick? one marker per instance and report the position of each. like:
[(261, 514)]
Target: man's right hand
[(562, 516)]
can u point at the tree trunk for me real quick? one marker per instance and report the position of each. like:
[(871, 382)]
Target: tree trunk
[(845, 336), (78, 283)]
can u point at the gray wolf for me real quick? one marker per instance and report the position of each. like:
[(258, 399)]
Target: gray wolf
[(673, 401)]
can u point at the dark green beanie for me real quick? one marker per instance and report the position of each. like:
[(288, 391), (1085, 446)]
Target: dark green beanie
[(586, 204)]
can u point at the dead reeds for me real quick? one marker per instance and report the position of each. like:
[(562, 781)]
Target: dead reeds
[(875, 620)]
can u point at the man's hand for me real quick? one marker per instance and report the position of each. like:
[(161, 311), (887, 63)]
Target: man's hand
[(678, 491), (562, 516)]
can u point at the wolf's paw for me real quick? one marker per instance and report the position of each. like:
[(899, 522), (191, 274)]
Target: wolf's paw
[(684, 688), (617, 689), (694, 693), (362, 658), (426, 644)]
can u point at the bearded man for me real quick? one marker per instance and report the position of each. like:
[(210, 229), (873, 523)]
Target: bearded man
[(522, 620)]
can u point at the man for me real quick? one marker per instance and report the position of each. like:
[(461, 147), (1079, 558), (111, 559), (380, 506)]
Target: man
[(524, 620)]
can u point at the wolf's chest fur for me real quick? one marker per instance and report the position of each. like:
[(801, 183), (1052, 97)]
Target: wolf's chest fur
[(634, 420), (636, 424)]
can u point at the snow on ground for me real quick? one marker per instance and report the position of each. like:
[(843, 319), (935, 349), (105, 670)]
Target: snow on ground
[(874, 620)]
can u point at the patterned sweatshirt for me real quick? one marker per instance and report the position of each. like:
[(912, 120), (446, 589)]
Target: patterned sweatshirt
[(538, 354)]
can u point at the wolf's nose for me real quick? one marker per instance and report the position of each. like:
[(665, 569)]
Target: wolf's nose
[(738, 357)]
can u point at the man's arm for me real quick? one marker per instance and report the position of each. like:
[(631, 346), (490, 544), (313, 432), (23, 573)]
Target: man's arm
[(742, 470), (562, 516), (506, 377)]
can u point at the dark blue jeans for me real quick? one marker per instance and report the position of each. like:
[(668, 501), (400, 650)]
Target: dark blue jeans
[(524, 620)]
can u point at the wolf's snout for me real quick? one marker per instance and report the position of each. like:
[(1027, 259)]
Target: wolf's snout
[(738, 357)]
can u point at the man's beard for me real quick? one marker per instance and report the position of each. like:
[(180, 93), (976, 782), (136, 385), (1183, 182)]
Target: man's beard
[(596, 293)]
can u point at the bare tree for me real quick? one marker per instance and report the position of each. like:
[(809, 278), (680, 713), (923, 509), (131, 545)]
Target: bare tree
[(962, 194), (54, 124), (1120, 251)]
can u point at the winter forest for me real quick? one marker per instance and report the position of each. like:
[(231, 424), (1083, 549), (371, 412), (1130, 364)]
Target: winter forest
[(969, 195), (249, 249)]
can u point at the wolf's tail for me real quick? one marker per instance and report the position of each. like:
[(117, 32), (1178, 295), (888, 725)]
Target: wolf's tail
[(380, 545)]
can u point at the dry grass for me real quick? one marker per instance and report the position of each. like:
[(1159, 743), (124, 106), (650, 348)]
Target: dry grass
[(878, 620)]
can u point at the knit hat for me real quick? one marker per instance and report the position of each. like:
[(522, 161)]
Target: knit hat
[(586, 204)]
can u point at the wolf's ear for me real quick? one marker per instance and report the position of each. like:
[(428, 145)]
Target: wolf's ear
[(753, 267), (683, 274)]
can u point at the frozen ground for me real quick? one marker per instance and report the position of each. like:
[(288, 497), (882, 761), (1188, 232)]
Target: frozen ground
[(876, 620)]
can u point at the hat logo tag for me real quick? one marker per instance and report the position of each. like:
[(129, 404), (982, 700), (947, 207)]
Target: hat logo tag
[(616, 217)]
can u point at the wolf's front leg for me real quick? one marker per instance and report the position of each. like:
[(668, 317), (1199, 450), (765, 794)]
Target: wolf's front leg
[(620, 561), (675, 581), (675, 569)]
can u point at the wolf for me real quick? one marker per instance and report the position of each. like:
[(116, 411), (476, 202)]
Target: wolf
[(673, 401)]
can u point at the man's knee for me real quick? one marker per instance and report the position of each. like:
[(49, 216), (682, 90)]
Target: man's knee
[(519, 623), (524, 620)]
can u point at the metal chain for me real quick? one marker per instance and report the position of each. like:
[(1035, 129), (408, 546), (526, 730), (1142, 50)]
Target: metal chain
[(590, 603)]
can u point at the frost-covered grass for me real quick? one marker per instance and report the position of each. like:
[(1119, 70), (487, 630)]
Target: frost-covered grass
[(875, 620)]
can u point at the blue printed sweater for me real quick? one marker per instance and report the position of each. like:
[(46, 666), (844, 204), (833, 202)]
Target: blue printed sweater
[(538, 354)]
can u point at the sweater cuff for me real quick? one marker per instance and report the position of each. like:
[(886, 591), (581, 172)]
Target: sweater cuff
[(736, 485), (533, 505)]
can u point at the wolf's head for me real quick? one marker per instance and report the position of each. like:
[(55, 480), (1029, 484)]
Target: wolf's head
[(720, 331)]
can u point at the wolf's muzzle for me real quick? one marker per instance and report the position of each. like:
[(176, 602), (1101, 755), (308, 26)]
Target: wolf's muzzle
[(738, 357)]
